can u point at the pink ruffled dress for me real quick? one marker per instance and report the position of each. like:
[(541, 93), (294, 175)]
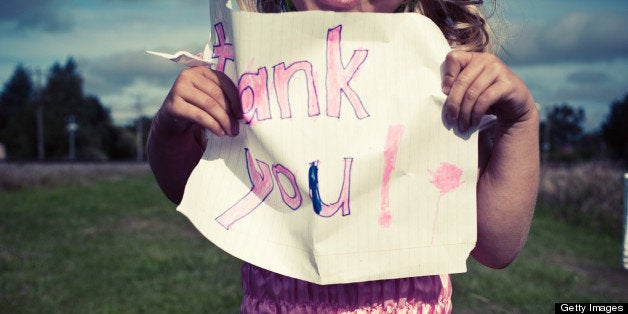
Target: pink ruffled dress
[(268, 292)]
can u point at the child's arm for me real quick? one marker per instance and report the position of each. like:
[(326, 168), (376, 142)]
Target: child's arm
[(479, 83), (200, 98)]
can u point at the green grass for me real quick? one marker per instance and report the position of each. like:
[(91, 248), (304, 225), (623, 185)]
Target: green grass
[(112, 247), (560, 263), (119, 246)]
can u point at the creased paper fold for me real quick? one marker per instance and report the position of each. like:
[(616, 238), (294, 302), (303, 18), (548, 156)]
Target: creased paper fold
[(344, 170)]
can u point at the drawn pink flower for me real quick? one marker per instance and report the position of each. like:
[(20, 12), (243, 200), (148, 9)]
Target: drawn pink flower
[(446, 178)]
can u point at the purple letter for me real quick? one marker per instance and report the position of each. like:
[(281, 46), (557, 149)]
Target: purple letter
[(282, 76), (338, 76), (262, 186)]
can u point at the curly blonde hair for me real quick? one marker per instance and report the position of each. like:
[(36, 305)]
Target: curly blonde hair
[(463, 22)]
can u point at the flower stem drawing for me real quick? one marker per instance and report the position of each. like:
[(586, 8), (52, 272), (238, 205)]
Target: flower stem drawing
[(446, 178)]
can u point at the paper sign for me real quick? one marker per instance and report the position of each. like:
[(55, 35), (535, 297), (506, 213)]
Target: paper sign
[(344, 170)]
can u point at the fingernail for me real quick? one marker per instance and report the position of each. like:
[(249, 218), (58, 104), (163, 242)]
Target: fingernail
[(449, 118), (446, 89), (463, 126)]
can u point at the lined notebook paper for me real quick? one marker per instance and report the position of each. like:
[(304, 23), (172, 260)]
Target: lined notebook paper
[(344, 170)]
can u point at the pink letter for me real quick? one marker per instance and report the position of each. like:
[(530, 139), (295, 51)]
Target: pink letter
[(390, 158), (338, 76), (282, 76), (223, 51), (254, 95), (294, 201), (262, 186)]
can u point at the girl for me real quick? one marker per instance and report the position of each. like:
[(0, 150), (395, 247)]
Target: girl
[(476, 83)]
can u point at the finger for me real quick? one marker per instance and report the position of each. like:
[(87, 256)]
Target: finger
[(454, 63), (231, 95), (209, 99), (496, 99), (472, 110), (219, 87), (231, 92), (454, 104), (198, 87), (235, 107), (183, 109), (484, 103)]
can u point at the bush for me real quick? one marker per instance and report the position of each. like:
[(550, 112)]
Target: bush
[(17, 176), (585, 194)]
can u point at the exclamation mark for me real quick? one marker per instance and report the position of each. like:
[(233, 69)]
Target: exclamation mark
[(390, 158)]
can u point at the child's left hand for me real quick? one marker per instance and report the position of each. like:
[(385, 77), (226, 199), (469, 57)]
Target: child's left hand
[(480, 83), (477, 84)]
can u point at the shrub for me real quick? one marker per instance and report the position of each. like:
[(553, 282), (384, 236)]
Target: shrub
[(585, 194), (16, 176)]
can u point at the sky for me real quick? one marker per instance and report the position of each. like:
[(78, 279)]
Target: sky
[(566, 51)]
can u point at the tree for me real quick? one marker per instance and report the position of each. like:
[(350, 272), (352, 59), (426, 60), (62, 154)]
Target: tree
[(562, 130), (615, 129), (16, 112), (16, 94), (62, 99)]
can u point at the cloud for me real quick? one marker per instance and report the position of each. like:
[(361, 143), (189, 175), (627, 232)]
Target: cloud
[(113, 73), (588, 77), (574, 37), (46, 15), (120, 79), (592, 86)]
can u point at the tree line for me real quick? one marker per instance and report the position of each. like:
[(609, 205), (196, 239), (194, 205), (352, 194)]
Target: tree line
[(563, 138), (58, 121), (36, 121)]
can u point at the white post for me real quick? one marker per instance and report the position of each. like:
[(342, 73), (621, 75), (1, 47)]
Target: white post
[(625, 220), (71, 127)]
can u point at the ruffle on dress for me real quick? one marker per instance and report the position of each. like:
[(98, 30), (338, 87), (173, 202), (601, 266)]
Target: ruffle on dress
[(268, 292)]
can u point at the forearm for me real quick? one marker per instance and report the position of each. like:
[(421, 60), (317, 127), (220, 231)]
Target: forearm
[(173, 157), (507, 190)]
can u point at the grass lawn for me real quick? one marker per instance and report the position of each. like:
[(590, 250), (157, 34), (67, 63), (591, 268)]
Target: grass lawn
[(118, 246)]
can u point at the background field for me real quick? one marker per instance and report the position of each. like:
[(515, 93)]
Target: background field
[(101, 238)]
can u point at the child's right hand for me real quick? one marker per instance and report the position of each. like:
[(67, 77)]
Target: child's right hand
[(200, 97)]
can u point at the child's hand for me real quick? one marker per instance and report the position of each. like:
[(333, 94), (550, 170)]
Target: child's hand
[(479, 83), (202, 97)]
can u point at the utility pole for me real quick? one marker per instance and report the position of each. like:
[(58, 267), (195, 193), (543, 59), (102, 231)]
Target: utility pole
[(40, 113), (547, 145), (139, 130)]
